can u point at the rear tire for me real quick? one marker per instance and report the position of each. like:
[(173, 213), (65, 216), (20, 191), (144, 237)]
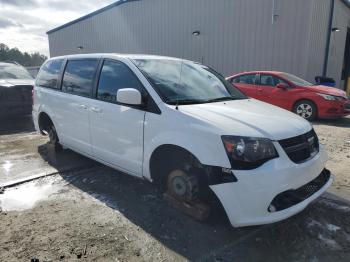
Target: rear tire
[(306, 109), (53, 139)]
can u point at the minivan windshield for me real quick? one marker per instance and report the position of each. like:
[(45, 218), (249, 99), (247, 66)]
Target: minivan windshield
[(185, 82), (296, 80), (10, 71)]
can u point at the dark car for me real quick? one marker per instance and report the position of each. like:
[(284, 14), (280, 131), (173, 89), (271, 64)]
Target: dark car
[(16, 86)]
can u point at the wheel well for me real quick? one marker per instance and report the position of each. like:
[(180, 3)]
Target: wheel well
[(167, 157), (45, 123), (309, 100)]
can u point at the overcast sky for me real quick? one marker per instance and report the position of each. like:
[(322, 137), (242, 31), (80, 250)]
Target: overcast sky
[(24, 23)]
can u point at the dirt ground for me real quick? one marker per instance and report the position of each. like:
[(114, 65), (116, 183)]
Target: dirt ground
[(98, 214), (335, 135)]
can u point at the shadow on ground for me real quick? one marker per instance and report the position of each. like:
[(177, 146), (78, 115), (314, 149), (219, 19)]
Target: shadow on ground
[(341, 122)]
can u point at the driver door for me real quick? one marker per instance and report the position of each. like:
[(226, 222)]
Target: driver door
[(117, 129), (268, 92)]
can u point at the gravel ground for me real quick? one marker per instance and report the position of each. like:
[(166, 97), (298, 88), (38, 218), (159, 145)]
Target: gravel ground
[(335, 135)]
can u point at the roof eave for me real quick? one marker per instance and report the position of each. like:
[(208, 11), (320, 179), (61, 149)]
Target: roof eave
[(119, 2)]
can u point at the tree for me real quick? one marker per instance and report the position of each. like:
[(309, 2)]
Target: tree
[(25, 59)]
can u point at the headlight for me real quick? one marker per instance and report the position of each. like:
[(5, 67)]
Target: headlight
[(330, 98), (248, 152)]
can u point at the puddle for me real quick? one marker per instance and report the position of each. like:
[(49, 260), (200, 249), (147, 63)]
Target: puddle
[(26, 196), (7, 166)]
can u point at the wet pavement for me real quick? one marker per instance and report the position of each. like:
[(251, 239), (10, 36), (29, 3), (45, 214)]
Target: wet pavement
[(24, 153), (115, 216)]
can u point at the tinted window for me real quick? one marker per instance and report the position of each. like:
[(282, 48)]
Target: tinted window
[(245, 79), (78, 76), (270, 80), (49, 74), (114, 76)]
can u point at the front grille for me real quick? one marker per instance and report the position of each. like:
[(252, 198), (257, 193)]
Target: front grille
[(290, 198), (301, 148)]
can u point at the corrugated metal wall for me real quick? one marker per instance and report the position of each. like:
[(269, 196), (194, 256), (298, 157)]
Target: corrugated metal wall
[(236, 35)]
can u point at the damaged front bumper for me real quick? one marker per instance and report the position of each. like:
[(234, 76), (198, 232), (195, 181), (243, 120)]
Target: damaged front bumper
[(252, 199)]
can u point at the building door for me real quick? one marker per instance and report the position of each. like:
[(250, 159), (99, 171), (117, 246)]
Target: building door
[(346, 65)]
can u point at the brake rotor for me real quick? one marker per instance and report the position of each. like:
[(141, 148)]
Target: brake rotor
[(182, 186)]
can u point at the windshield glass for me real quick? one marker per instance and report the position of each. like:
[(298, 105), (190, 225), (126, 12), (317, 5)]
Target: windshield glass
[(184, 82), (296, 80), (14, 72)]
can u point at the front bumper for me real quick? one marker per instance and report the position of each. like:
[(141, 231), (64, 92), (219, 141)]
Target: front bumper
[(334, 109), (246, 202)]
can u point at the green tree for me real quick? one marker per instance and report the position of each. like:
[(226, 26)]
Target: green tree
[(25, 59)]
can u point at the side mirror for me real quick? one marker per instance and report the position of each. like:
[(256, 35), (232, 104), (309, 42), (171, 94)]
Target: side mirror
[(129, 96), (282, 86)]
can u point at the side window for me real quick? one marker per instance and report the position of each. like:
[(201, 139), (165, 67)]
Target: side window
[(49, 74), (78, 76), (245, 79), (114, 76), (270, 80)]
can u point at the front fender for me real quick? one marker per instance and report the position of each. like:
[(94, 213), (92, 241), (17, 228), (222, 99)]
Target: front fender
[(207, 148)]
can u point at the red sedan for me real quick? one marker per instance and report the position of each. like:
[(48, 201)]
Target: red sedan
[(293, 93)]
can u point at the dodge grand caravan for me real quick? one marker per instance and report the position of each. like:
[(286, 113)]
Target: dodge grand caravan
[(181, 125)]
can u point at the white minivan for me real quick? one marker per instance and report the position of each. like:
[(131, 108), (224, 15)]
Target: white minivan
[(180, 124)]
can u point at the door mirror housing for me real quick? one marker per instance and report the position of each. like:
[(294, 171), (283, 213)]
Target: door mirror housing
[(282, 86), (129, 96)]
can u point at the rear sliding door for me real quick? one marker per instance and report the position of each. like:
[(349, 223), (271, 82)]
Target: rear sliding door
[(77, 85)]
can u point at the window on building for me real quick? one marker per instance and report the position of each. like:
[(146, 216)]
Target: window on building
[(78, 76), (114, 76), (49, 74)]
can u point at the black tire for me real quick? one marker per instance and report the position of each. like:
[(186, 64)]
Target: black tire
[(53, 139), (306, 109)]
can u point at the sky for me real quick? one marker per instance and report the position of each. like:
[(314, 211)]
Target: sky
[(24, 23)]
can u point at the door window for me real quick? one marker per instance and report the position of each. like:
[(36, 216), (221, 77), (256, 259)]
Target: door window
[(270, 80), (114, 76), (78, 76), (245, 79), (49, 74)]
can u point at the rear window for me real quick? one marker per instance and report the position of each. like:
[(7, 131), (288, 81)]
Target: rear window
[(49, 74), (12, 71), (245, 79), (78, 76)]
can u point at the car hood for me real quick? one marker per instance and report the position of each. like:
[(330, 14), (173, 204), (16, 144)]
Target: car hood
[(327, 90), (249, 117), (16, 82)]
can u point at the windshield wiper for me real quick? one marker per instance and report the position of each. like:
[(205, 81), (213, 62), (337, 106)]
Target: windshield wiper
[(220, 99), (185, 102)]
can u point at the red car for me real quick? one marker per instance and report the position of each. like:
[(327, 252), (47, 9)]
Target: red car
[(293, 93)]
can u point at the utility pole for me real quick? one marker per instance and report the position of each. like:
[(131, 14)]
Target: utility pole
[(329, 34)]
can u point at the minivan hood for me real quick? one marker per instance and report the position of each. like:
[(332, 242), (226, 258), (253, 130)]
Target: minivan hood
[(16, 82), (327, 90), (249, 117)]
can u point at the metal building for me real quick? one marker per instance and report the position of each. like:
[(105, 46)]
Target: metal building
[(229, 35)]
